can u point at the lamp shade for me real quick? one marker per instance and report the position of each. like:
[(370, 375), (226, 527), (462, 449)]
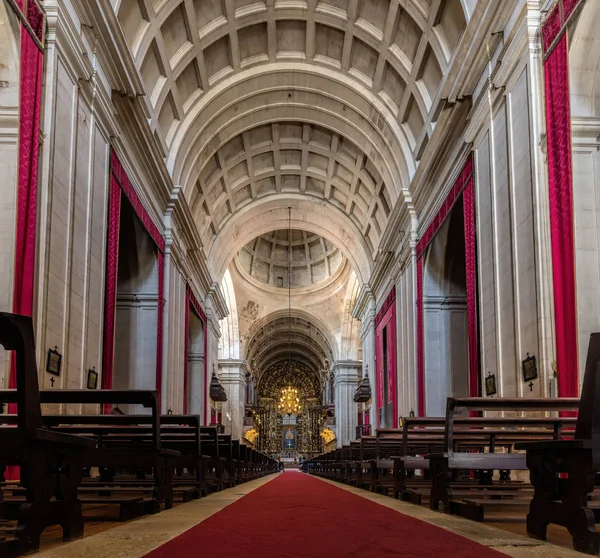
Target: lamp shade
[(363, 392), (217, 391)]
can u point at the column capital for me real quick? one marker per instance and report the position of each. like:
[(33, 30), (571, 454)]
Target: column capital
[(217, 301), (365, 303), (232, 370), (347, 371)]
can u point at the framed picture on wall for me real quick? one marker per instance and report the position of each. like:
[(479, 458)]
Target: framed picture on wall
[(529, 369), (53, 362), (490, 384), (92, 379)]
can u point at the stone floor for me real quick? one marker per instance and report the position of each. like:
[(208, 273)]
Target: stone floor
[(136, 538)]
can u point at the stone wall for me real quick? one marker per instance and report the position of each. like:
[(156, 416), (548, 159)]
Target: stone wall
[(72, 217)]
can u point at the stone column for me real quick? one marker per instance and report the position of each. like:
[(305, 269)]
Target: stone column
[(367, 336), (346, 374), (232, 374), (541, 204), (195, 386), (216, 309)]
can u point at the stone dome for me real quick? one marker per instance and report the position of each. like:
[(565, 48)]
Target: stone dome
[(266, 258)]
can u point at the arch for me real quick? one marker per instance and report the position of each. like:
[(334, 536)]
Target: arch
[(271, 213), (274, 341), (282, 88)]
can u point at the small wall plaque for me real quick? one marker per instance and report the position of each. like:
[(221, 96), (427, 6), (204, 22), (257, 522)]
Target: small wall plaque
[(490, 384), (53, 362), (530, 369), (92, 379)]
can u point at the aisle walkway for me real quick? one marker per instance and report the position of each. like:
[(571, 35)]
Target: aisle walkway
[(295, 515), (299, 516)]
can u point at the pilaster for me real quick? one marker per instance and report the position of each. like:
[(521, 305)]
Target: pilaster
[(541, 205), (346, 375), (232, 374), (367, 336)]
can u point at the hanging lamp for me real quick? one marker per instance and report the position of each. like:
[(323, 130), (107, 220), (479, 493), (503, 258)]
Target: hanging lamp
[(289, 398), (217, 391)]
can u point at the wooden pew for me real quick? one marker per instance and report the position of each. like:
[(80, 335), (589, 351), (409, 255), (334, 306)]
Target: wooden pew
[(118, 447), (563, 472), (50, 463), (472, 444), (226, 452), (179, 433), (355, 464), (216, 463), (388, 444), (368, 456)]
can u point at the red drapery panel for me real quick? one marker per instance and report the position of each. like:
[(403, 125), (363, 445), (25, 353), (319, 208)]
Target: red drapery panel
[(471, 271), (110, 287), (379, 372), (119, 185), (190, 298), (186, 350), (420, 345), (463, 186), (560, 183), (385, 324), (160, 321), (31, 76), (31, 73)]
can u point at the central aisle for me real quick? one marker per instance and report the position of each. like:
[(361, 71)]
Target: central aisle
[(295, 515)]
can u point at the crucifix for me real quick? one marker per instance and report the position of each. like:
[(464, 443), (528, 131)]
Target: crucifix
[(530, 386), (52, 382)]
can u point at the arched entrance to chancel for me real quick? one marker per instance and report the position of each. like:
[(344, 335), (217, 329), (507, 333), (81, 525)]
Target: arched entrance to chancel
[(584, 76), (287, 354)]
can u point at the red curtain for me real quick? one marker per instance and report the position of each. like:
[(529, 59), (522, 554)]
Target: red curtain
[(463, 186), (160, 322), (206, 372), (420, 344), (110, 287), (471, 271), (385, 324), (186, 351), (31, 76), (560, 183), (119, 185)]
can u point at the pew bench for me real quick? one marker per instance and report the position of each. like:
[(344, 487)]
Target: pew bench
[(51, 463), (486, 444), (121, 441), (564, 472)]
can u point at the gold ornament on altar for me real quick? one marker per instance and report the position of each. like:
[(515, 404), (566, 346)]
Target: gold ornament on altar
[(289, 401), (328, 435), (251, 435)]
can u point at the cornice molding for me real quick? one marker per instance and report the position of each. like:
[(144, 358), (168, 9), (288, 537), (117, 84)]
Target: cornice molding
[(114, 52)]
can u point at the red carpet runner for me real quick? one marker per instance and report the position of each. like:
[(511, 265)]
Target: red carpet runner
[(298, 516)]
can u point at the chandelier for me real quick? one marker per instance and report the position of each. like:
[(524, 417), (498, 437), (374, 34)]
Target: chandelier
[(289, 401)]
